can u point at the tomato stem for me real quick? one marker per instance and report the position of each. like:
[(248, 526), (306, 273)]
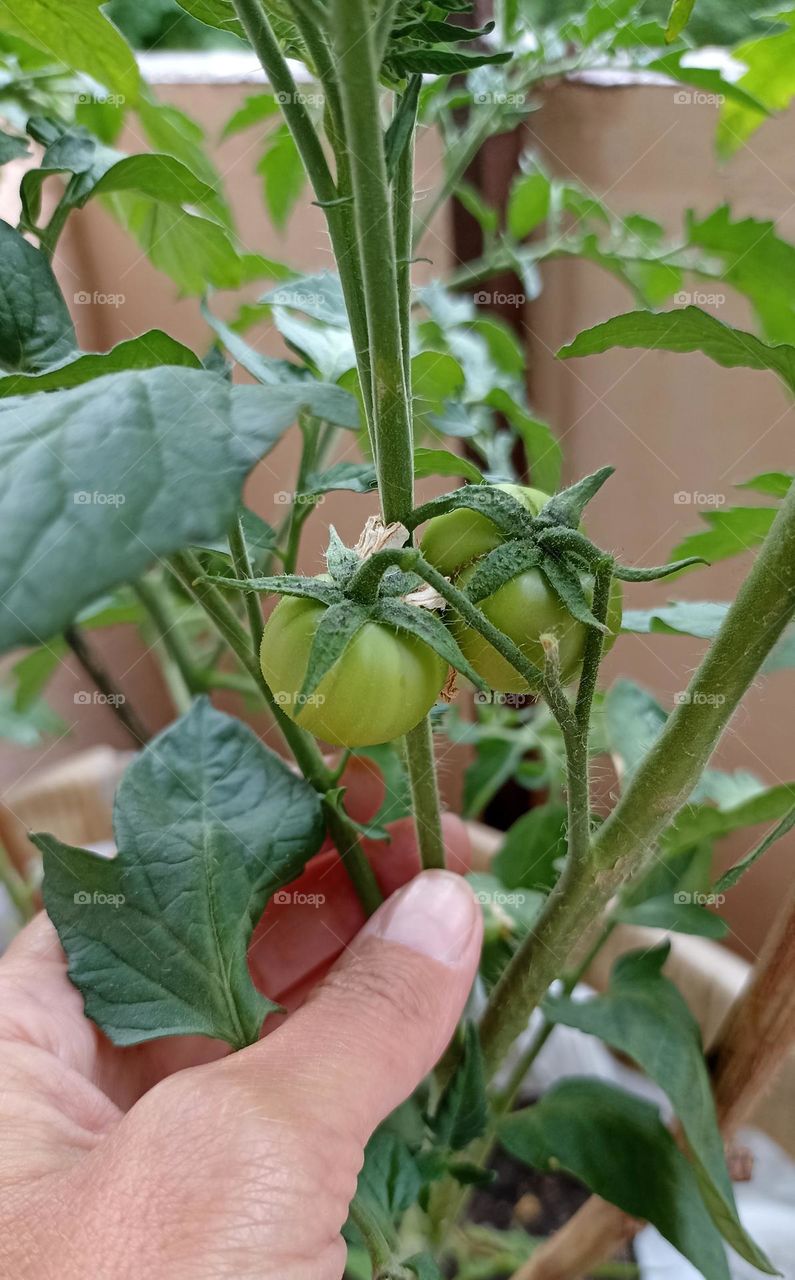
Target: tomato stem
[(425, 794)]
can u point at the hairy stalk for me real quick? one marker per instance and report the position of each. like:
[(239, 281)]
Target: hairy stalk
[(358, 78), (17, 888), (154, 598), (303, 746), (425, 794), (124, 712), (243, 570), (660, 787), (346, 839), (403, 206)]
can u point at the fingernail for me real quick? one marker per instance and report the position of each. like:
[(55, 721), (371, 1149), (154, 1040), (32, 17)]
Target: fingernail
[(435, 915)]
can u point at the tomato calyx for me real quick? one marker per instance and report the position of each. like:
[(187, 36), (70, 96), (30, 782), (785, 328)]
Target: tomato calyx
[(356, 591)]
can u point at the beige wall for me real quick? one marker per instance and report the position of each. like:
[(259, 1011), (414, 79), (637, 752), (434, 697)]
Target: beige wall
[(669, 423)]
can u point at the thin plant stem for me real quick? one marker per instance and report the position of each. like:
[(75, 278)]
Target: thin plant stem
[(18, 890), (154, 598), (425, 794), (243, 570), (118, 702)]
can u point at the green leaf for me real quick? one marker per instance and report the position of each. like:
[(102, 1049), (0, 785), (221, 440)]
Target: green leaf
[(177, 134), (618, 1146), (215, 13), (35, 326), (730, 533), (147, 351), (688, 329), (357, 477), (528, 204), (390, 1179), (698, 822), (533, 848), (770, 77), (544, 453), (436, 377), (209, 824), (79, 36), (678, 18), (730, 878), (102, 479), (643, 1015), (401, 125), (27, 725), (11, 147), (256, 108), (423, 1266), (328, 348), (676, 912), (282, 584), (708, 79), (319, 296), (494, 764), (463, 1110), (282, 171), (633, 720), (776, 484), (337, 626), (441, 462)]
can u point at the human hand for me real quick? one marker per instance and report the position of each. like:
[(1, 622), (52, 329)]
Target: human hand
[(168, 1160)]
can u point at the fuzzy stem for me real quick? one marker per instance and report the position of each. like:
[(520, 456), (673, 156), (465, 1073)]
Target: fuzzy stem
[(425, 794), (117, 701), (153, 597), (243, 570), (17, 888)]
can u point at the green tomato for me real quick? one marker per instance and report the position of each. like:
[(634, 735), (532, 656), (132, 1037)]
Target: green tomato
[(382, 686), (459, 537), (525, 608)]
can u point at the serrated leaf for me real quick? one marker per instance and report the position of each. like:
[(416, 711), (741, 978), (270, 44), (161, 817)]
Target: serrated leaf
[(618, 1146), (147, 351), (283, 175), (731, 877), (336, 628), (498, 567), (390, 1180), (674, 911), (775, 484), (730, 533), (769, 76), (633, 720), (318, 296), (441, 462), (462, 1112), (36, 329), (209, 823), (643, 1015), (684, 330), (256, 108), (424, 624), (696, 823), (283, 584), (102, 479), (11, 147), (357, 477), (79, 36), (530, 854), (215, 13)]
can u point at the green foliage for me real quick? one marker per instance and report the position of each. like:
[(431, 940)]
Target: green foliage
[(35, 326), (461, 1115), (233, 826)]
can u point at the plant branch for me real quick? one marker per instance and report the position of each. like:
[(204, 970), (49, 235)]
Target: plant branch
[(153, 597), (124, 712), (243, 570), (17, 888), (425, 794)]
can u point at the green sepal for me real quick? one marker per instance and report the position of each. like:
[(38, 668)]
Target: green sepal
[(570, 542), (566, 507), (499, 566), (426, 626), (335, 630), (285, 584), (342, 561), (565, 582), (629, 574), (510, 517), (397, 583)]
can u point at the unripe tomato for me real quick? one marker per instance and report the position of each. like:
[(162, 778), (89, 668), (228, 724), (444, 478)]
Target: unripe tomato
[(524, 609), (455, 539), (382, 686)]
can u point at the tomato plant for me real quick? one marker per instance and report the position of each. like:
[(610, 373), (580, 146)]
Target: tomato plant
[(123, 506)]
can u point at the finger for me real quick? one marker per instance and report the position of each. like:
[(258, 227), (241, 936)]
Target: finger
[(383, 1016), (306, 928)]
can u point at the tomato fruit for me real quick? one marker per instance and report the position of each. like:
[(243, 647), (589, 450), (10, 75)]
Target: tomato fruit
[(524, 609), (382, 686), (455, 539)]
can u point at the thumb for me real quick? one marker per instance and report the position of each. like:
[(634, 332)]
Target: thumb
[(384, 1014)]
